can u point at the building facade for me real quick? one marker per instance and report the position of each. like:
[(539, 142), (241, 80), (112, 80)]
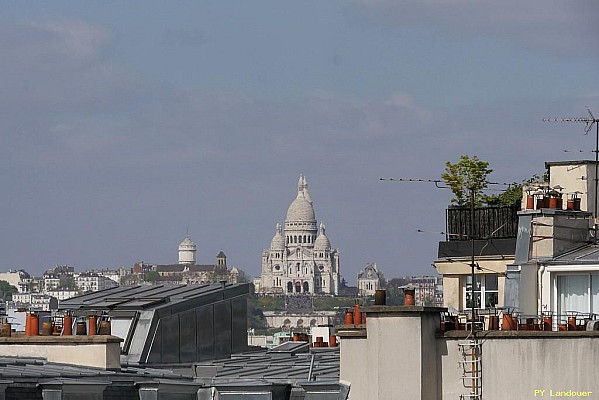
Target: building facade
[(494, 247), (546, 264), (300, 258), (369, 280), (91, 282)]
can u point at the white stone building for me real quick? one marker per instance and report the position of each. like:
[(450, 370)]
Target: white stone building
[(300, 258), (63, 294), (35, 301), (369, 280), (187, 251), (286, 320), (90, 282)]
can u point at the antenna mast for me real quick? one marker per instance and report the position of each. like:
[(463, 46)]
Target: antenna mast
[(439, 184), (589, 122)]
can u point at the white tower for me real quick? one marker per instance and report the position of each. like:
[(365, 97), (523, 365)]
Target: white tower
[(187, 251)]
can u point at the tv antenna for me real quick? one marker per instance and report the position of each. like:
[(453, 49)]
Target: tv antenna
[(440, 184), (588, 126)]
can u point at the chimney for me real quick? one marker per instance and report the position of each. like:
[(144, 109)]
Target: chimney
[(549, 232)]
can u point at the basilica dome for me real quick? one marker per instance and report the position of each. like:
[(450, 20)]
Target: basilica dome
[(278, 241), (301, 208), (322, 241)]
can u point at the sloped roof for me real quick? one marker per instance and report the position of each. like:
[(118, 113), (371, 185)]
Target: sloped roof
[(287, 363), (588, 254), (170, 268), (146, 297), (201, 268), (370, 268)]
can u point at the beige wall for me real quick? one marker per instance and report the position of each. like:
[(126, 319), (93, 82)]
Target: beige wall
[(453, 272), (574, 178), (452, 292), (354, 350), (401, 354), (391, 362), (90, 351), (555, 234), (514, 367)]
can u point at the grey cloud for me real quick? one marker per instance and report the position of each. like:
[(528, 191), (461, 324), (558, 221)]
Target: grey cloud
[(60, 66), (555, 27), (188, 38)]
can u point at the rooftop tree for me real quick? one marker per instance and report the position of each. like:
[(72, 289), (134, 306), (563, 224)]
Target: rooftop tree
[(468, 174)]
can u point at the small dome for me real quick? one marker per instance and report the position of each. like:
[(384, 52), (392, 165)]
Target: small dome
[(187, 243), (322, 241), (301, 208), (278, 241)]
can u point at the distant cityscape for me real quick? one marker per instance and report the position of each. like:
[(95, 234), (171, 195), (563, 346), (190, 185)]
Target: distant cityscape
[(43, 293), (299, 261)]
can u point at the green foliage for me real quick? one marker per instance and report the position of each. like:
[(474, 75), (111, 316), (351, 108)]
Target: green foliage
[(468, 174), (151, 276), (7, 290), (67, 283), (509, 197), (512, 196), (270, 303), (332, 303), (256, 318)]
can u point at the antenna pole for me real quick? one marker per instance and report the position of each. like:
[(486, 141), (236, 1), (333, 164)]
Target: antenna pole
[(588, 121), (596, 178), (472, 263)]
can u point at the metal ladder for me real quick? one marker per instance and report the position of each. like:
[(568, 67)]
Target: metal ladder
[(471, 366)]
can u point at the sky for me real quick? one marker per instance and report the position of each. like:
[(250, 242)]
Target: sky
[(125, 125)]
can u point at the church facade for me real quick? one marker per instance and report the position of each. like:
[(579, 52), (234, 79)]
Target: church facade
[(300, 259)]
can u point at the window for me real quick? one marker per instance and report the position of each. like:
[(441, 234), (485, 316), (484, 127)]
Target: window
[(578, 292), (485, 288)]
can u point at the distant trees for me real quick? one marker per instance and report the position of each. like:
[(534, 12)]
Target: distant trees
[(7, 290), (151, 276), (395, 296), (67, 283)]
